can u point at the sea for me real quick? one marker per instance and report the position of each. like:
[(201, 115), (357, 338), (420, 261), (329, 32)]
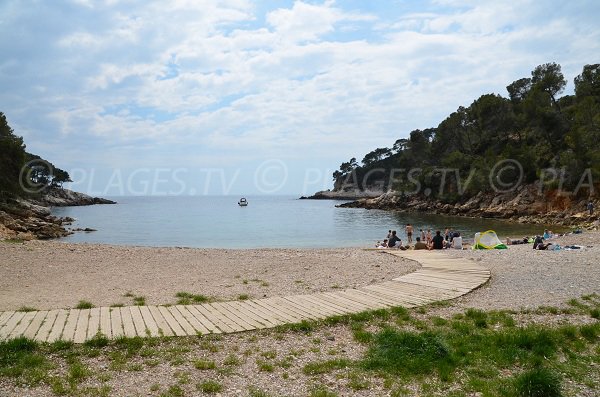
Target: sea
[(267, 222)]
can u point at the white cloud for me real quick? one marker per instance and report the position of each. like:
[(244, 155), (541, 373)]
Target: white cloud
[(221, 79)]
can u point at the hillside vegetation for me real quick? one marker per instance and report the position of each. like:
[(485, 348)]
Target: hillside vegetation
[(549, 138)]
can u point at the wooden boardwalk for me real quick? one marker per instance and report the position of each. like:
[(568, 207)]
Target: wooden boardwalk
[(440, 277)]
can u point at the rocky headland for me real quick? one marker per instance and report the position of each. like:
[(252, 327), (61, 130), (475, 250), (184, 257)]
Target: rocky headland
[(29, 219), (527, 204)]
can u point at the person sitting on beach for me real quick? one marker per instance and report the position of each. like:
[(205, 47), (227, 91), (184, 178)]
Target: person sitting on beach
[(437, 241), (419, 245), (547, 234), (457, 242), (538, 243), (393, 240), (382, 245), (389, 235), (447, 234)]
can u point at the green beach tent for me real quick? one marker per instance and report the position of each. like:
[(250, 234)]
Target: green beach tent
[(487, 241)]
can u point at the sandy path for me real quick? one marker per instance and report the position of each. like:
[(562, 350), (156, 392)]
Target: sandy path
[(47, 275)]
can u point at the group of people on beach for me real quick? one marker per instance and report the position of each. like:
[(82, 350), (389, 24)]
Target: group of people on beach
[(424, 240)]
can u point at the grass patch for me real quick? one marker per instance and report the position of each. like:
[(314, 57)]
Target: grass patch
[(538, 382), (173, 391), (139, 301), (84, 305), (27, 309), (204, 365), (21, 358), (243, 297), (210, 387), (186, 298), (408, 353)]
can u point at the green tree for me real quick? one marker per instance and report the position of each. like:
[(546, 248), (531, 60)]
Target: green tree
[(12, 158)]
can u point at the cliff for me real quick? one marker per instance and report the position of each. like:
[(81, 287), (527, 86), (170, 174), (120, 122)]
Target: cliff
[(525, 205)]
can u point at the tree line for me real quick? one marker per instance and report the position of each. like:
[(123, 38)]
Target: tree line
[(535, 126), (22, 172)]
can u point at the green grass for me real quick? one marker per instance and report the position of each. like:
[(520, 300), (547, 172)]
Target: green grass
[(22, 359), (139, 301), (173, 391), (256, 392), (186, 298), (243, 297), (538, 382), (210, 387), (27, 309), (84, 305), (204, 365)]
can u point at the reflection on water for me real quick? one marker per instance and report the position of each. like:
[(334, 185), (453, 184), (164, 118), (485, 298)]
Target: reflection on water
[(268, 221)]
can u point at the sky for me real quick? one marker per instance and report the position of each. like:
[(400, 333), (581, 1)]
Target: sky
[(239, 97)]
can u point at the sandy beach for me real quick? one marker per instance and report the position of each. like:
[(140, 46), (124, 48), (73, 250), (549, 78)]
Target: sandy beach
[(47, 275)]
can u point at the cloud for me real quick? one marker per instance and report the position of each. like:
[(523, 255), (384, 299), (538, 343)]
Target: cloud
[(124, 83)]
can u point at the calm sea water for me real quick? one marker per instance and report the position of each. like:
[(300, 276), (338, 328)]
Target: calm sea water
[(268, 221)]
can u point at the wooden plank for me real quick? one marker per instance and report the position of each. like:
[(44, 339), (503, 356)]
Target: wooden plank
[(46, 327), (269, 319), (366, 297), (250, 319), (105, 322), (58, 326), (302, 312), (138, 321), (308, 307), (224, 323), (417, 290), (10, 325), (163, 325), (94, 323), (82, 326), (213, 319), (339, 299), (204, 320), (151, 325), (408, 298), (441, 280), (177, 330), (5, 316), (212, 328), (398, 301), (22, 326), (371, 303), (116, 323), (128, 327), (428, 283), (331, 309), (270, 312), (272, 306), (416, 297), (183, 323), (71, 325), (198, 326), (233, 316)]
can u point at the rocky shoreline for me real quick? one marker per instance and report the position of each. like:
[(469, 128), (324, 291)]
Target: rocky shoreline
[(30, 219), (524, 205)]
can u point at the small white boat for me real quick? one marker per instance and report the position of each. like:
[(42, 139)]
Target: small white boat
[(243, 202)]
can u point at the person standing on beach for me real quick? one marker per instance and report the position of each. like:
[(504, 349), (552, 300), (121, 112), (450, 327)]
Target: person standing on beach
[(429, 237), (409, 232), (590, 207), (422, 234)]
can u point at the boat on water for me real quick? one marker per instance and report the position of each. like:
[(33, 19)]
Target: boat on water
[(243, 202)]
